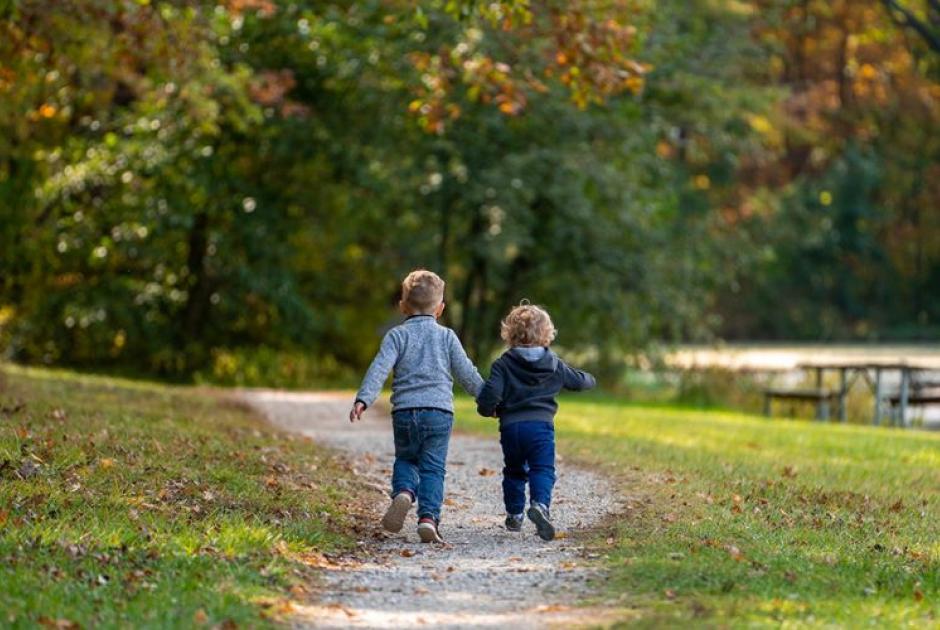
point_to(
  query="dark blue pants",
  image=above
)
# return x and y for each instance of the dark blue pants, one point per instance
(529, 456)
(421, 439)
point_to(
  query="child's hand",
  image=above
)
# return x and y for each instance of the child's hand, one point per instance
(356, 412)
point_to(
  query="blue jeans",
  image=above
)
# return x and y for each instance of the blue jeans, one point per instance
(421, 439)
(529, 456)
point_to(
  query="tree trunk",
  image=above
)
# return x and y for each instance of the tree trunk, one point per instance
(197, 302)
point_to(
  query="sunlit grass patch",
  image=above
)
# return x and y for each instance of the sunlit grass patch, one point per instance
(133, 504)
(732, 519)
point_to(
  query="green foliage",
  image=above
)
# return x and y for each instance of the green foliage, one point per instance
(179, 180)
(120, 501)
(261, 366)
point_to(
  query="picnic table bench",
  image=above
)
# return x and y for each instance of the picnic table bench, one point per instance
(911, 391)
(822, 398)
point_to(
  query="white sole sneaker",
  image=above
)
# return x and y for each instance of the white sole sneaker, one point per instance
(428, 533)
(396, 513)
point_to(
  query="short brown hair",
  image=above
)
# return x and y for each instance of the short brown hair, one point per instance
(528, 325)
(422, 291)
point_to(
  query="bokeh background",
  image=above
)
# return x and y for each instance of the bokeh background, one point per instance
(231, 191)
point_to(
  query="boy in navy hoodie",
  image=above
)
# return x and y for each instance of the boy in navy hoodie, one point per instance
(521, 392)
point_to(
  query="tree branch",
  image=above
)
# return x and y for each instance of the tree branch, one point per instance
(905, 17)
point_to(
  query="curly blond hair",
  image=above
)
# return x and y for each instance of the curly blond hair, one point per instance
(422, 291)
(527, 325)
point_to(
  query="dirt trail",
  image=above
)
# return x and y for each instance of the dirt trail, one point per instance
(484, 576)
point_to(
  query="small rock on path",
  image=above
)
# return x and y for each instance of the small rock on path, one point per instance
(484, 576)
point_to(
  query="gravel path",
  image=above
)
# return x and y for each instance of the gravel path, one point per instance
(483, 576)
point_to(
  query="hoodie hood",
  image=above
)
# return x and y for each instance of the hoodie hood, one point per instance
(532, 372)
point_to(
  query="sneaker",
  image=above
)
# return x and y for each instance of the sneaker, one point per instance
(539, 515)
(514, 522)
(427, 530)
(394, 518)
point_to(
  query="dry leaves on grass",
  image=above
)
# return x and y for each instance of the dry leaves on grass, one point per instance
(487, 472)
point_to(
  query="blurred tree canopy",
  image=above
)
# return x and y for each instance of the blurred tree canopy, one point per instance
(181, 181)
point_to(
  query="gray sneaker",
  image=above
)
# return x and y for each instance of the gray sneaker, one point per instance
(428, 531)
(514, 522)
(397, 511)
(539, 515)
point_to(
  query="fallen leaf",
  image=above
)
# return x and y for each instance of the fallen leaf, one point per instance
(408, 553)
(549, 608)
(28, 469)
(59, 624)
(487, 472)
(670, 594)
(898, 506)
(200, 617)
(106, 463)
(918, 595)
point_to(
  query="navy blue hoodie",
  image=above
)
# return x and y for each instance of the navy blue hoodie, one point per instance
(523, 389)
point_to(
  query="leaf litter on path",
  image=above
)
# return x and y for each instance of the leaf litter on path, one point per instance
(482, 575)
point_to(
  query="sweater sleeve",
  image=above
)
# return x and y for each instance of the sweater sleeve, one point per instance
(463, 368)
(491, 395)
(576, 380)
(379, 370)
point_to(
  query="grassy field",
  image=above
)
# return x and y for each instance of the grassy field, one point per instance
(133, 505)
(734, 520)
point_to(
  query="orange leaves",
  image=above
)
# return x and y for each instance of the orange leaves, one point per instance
(591, 53)
(264, 8)
(270, 88)
(588, 50)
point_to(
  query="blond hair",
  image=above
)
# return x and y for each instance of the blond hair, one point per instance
(422, 291)
(527, 325)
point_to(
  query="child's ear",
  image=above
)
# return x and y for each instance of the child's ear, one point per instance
(402, 307)
(440, 309)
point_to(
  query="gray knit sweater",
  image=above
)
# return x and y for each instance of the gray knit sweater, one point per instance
(423, 355)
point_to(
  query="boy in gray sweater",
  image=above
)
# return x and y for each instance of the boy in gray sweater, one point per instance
(423, 355)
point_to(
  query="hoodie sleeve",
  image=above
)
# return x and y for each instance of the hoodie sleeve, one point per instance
(575, 380)
(492, 393)
(463, 368)
(382, 364)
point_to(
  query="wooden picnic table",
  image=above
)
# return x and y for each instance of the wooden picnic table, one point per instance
(849, 372)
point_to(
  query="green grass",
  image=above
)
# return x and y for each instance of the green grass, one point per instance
(734, 520)
(127, 504)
